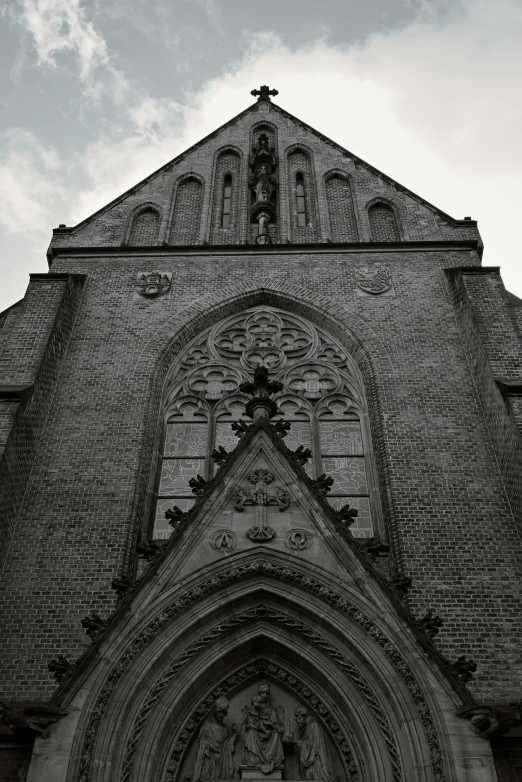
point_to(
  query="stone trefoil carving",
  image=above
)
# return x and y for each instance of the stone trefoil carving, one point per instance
(260, 497)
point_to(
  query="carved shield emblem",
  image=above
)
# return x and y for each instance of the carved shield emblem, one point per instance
(152, 284)
(374, 279)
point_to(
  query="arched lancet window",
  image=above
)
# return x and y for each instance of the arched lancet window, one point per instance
(187, 212)
(321, 397)
(300, 200)
(383, 224)
(145, 227)
(341, 213)
(302, 206)
(226, 199)
(227, 202)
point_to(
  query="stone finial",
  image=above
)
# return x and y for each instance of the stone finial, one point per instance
(261, 389)
(323, 484)
(175, 515)
(264, 93)
(198, 485)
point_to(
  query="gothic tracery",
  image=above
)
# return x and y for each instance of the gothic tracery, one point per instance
(321, 397)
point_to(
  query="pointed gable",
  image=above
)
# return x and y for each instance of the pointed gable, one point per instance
(345, 199)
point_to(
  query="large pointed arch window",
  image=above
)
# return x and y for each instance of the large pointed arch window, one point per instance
(321, 398)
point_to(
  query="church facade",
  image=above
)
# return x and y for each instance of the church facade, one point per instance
(260, 481)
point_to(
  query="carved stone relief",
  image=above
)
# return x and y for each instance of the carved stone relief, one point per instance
(260, 497)
(269, 733)
(298, 539)
(182, 601)
(224, 540)
(153, 284)
(373, 280)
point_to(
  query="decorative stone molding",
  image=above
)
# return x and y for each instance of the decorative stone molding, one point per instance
(297, 578)
(491, 721)
(262, 611)
(29, 719)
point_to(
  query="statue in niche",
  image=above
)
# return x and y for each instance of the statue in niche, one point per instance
(215, 746)
(264, 183)
(262, 732)
(314, 760)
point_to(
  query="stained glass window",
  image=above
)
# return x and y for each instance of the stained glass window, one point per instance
(321, 399)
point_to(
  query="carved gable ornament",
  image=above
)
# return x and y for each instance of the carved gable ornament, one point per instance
(374, 279)
(260, 497)
(153, 284)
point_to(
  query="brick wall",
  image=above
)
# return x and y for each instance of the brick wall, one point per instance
(32, 358)
(508, 760)
(417, 219)
(14, 763)
(339, 201)
(442, 485)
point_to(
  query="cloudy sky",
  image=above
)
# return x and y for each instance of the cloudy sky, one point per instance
(96, 94)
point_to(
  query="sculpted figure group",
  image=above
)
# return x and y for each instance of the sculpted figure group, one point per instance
(263, 737)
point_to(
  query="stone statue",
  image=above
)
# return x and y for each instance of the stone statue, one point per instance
(264, 183)
(313, 754)
(262, 731)
(215, 747)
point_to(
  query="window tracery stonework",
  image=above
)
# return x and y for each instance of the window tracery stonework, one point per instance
(321, 398)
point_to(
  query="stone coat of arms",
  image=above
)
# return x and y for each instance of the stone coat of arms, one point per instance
(152, 284)
(374, 279)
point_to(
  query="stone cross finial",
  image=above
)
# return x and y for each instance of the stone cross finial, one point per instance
(261, 389)
(264, 93)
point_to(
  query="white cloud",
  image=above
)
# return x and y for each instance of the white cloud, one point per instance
(30, 185)
(434, 105)
(60, 25)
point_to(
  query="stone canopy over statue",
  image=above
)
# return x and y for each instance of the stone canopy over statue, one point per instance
(268, 749)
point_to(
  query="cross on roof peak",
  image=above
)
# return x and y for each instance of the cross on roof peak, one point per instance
(264, 93)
